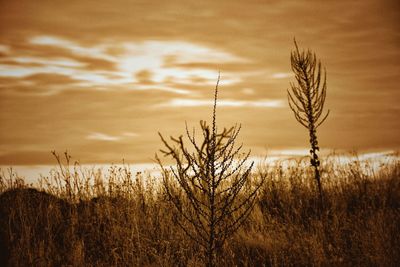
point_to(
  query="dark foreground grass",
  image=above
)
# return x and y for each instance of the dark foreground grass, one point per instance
(87, 218)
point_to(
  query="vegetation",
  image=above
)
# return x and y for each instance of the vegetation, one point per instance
(125, 219)
(212, 193)
(307, 99)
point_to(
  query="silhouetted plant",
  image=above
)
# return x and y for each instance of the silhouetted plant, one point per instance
(210, 186)
(307, 99)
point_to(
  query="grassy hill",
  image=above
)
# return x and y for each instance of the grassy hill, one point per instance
(89, 218)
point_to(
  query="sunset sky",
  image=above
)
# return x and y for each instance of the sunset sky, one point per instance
(101, 78)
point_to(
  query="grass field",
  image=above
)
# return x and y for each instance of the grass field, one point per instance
(85, 217)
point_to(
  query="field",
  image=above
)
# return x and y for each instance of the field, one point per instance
(84, 217)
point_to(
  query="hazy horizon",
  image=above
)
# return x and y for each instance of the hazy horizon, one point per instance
(369, 161)
(101, 79)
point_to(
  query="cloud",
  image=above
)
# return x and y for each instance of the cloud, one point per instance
(162, 59)
(248, 91)
(281, 75)
(75, 48)
(62, 67)
(4, 49)
(180, 102)
(110, 138)
(43, 61)
(156, 87)
(130, 134)
(102, 137)
(143, 65)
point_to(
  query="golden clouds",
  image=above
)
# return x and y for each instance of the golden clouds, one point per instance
(79, 75)
(149, 65)
(186, 102)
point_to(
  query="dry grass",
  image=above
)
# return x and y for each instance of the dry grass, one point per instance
(90, 218)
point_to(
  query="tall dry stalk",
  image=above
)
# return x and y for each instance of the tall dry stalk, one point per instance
(210, 186)
(307, 99)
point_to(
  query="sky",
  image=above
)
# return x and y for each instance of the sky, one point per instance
(100, 79)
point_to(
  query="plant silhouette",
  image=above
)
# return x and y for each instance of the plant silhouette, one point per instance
(306, 100)
(210, 186)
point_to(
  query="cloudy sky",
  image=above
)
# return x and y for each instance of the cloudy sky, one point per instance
(101, 78)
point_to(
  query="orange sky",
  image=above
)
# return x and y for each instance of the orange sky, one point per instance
(101, 78)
